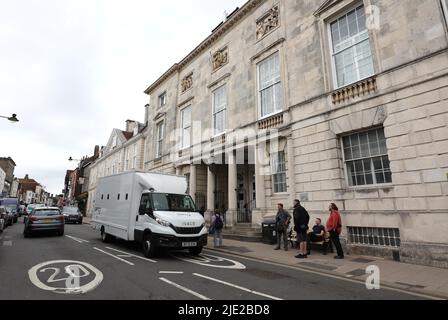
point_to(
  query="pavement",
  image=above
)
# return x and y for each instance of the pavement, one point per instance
(79, 266)
(409, 277)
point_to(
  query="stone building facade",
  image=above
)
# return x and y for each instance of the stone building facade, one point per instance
(341, 101)
(123, 152)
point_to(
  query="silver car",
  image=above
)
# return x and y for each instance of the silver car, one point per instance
(44, 219)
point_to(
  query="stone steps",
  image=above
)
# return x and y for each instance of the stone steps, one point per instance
(243, 232)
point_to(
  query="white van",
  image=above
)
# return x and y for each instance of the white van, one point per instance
(149, 208)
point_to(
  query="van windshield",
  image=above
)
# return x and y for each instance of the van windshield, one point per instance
(172, 202)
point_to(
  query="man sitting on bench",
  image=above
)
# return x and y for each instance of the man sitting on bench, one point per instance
(317, 235)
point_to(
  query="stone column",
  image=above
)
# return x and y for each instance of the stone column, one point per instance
(210, 194)
(231, 215)
(193, 181)
(260, 192)
(291, 172)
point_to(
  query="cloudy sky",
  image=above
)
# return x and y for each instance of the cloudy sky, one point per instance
(73, 70)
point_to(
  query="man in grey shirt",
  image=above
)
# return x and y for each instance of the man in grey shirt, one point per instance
(282, 222)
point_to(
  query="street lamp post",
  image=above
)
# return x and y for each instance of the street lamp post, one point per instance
(12, 118)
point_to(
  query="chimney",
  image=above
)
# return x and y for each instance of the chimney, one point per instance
(130, 125)
(96, 152)
(27, 177)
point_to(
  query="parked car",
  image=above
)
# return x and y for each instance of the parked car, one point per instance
(13, 205)
(2, 218)
(9, 221)
(44, 219)
(72, 214)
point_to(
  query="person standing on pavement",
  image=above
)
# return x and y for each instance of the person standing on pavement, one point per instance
(334, 227)
(301, 220)
(217, 226)
(282, 221)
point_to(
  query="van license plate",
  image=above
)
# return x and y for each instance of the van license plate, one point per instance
(189, 244)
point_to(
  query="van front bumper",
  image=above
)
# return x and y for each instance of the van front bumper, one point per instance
(173, 242)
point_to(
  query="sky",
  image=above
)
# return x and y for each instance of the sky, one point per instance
(73, 70)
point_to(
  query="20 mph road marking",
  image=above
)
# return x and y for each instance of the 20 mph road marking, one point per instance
(237, 287)
(118, 258)
(198, 295)
(76, 280)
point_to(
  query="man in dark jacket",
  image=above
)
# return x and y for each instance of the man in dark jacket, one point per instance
(281, 222)
(301, 221)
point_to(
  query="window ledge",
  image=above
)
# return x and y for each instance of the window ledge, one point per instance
(375, 187)
(354, 90)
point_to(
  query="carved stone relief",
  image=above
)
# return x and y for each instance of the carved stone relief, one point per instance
(220, 58)
(186, 83)
(268, 22)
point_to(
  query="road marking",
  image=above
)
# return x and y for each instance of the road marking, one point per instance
(237, 287)
(118, 258)
(132, 255)
(79, 240)
(211, 261)
(7, 243)
(171, 272)
(308, 270)
(72, 282)
(198, 295)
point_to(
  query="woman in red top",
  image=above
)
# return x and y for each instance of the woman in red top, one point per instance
(334, 227)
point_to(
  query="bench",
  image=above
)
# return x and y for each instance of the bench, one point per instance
(292, 239)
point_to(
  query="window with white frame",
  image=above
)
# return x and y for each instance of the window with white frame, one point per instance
(134, 159)
(219, 110)
(269, 86)
(366, 158)
(127, 159)
(185, 116)
(278, 168)
(350, 45)
(162, 99)
(160, 128)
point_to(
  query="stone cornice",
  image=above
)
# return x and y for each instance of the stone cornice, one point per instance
(216, 35)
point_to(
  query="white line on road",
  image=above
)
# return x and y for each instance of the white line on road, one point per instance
(79, 240)
(237, 287)
(198, 295)
(131, 255)
(7, 243)
(171, 272)
(118, 258)
(333, 276)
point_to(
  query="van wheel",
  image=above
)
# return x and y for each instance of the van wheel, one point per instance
(195, 251)
(148, 249)
(106, 238)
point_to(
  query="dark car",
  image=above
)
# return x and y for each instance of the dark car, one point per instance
(72, 214)
(9, 216)
(44, 219)
(13, 205)
(3, 217)
(15, 213)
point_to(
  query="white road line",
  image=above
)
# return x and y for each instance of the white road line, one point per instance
(333, 276)
(132, 255)
(171, 272)
(118, 258)
(79, 240)
(7, 243)
(198, 295)
(237, 287)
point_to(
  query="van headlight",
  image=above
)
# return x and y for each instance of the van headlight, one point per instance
(163, 222)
